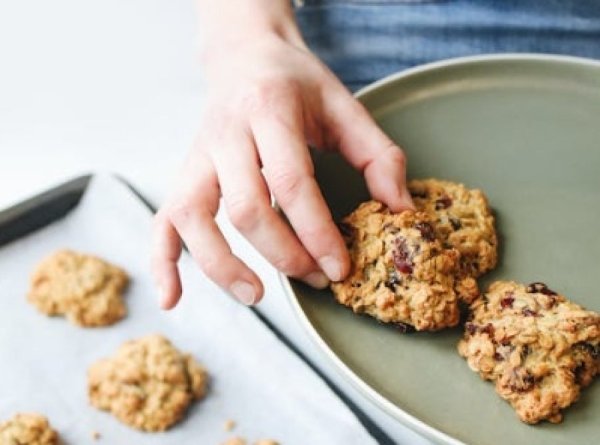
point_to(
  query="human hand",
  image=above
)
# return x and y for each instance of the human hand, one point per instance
(268, 98)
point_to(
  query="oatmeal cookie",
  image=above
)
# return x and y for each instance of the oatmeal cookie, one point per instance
(235, 441)
(400, 271)
(147, 384)
(28, 429)
(539, 348)
(242, 441)
(463, 220)
(85, 288)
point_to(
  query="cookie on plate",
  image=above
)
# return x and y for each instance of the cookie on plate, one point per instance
(29, 429)
(86, 289)
(400, 271)
(148, 384)
(539, 348)
(463, 220)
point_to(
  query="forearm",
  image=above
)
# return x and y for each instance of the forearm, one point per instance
(228, 24)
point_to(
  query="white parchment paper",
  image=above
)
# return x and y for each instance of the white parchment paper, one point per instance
(256, 380)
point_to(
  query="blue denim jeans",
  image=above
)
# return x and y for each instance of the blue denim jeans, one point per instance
(364, 40)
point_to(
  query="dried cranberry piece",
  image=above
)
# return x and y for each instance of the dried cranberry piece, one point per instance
(488, 329)
(521, 380)
(502, 352)
(526, 382)
(443, 203)
(426, 230)
(507, 301)
(471, 328)
(529, 313)
(403, 266)
(540, 288)
(455, 222)
(401, 256)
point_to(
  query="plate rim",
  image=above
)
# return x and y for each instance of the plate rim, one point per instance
(342, 368)
(464, 60)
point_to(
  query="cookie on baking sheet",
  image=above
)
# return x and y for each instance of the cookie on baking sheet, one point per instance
(242, 441)
(400, 271)
(86, 289)
(463, 220)
(539, 348)
(148, 384)
(28, 429)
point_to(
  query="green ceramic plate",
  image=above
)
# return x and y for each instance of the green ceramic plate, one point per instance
(526, 130)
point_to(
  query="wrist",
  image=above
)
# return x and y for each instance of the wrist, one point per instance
(229, 27)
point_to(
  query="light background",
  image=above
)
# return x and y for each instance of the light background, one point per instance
(112, 86)
(95, 85)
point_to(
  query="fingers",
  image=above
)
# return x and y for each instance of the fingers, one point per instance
(166, 250)
(192, 216)
(248, 204)
(278, 133)
(368, 149)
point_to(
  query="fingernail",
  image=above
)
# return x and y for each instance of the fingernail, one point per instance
(318, 280)
(331, 267)
(244, 292)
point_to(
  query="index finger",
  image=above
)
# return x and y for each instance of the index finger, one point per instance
(288, 171)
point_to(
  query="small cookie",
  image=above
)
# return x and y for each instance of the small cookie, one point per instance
(463, 220)
(242, 441)
(85, 288)
(147, 384)
(539, 348)
(400, 272)
(235, 441)
(28, 429)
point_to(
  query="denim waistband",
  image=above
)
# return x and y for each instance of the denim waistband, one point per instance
(363, 40)
(301, 3)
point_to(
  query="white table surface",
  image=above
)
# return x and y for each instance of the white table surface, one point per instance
(113, 85)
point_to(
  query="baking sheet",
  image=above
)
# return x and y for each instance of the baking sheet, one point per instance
(256, 380)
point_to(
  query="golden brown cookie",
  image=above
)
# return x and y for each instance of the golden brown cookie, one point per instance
(400, 271)
(539, 348)
(148, 384)
(28, 429)
(85, 288)
(242, 441)
(235, 441)
(463, 220)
